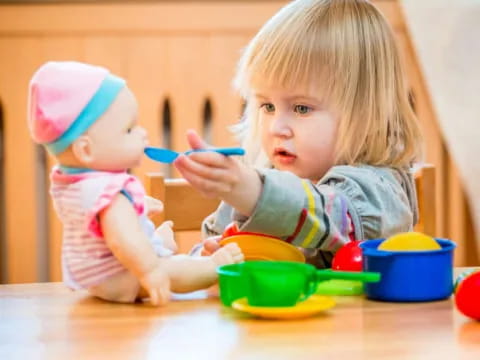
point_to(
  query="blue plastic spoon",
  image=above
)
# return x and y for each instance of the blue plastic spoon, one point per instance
(168, 156)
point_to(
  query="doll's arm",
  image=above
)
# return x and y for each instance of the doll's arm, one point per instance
(133, 249)
(153, 206)
(165, 232)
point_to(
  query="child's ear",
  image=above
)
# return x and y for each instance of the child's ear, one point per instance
(82, 148)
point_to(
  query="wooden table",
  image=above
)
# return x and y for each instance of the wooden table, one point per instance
(49, 321)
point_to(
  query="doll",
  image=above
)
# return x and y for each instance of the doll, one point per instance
(87, 119)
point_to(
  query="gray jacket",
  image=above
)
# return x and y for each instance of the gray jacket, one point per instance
(376, 201)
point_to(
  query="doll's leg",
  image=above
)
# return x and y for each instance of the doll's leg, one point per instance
(122, 287)
(188, 273)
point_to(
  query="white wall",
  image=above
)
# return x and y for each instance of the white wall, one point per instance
(446, 34)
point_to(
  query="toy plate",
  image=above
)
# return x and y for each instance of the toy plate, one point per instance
(260, 247)
(313, 305)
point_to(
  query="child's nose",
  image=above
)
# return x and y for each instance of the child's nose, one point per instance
(280, 126)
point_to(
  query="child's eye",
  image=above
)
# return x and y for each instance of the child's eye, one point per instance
(268, 107)
(302, 109)
(129, 130)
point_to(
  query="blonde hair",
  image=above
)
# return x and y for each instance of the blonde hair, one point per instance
(348, 48)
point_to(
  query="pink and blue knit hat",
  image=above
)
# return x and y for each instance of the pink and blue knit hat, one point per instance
(65, 99)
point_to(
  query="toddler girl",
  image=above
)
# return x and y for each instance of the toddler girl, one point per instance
(329, 132)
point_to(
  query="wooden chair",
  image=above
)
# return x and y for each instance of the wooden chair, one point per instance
(183, 205)
(187, 208)
(425, 185)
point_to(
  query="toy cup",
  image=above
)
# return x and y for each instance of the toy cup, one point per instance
(279, 283)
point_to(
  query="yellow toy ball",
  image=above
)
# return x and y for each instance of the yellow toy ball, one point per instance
(409, 241)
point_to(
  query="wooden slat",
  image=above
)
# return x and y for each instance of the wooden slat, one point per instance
(456, 210)
(147, 77)
(224, 54)
(425, 182)
(141, 18)
(3, 239)
(187, 82)
(392, 12)
(186, 206)
(20, 194)
(434, 147)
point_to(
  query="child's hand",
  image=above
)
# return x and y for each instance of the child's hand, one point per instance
(210, 245)
(211, 173)
(228, 254)
(152, 206)
(157, 284)
(165, 232)
(219, 176)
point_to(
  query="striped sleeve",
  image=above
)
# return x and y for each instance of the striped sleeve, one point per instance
(307, 215)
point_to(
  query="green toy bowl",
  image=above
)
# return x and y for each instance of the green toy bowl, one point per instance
(231, 283)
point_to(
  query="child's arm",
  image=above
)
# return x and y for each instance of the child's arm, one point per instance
(318, 216)
(130, 245)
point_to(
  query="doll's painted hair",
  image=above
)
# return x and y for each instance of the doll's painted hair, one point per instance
(346, 48)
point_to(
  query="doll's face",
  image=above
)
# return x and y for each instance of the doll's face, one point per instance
(115, 141)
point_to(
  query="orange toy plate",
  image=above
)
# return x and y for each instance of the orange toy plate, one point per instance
(259, 247)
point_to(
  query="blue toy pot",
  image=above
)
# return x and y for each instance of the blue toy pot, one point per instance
(409, 275)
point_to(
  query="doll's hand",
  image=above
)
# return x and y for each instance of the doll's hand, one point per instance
(165, 232)
(228, 254)
(152, 206)
(157, 284)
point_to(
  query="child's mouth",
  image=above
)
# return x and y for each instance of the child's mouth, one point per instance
(284, 157)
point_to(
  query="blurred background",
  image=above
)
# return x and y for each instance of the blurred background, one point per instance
(179, 58)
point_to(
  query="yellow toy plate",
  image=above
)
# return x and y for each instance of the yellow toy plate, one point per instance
(259, 247)
(313, 305)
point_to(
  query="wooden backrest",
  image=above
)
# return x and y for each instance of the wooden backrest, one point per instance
(425, 184)
(187, 208)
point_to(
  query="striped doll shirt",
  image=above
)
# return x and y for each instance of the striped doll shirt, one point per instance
(78, 199)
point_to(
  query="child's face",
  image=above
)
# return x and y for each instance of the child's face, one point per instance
(117, 141)
(298, 131)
